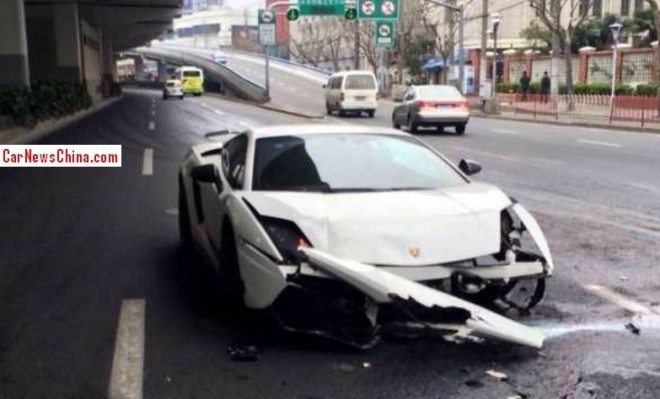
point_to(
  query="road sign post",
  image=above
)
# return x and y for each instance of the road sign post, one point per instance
(266, 39)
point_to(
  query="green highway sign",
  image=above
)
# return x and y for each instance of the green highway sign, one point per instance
(321, 7)
(378, 9)
(350, 14)
(384, 33)
(292, 14)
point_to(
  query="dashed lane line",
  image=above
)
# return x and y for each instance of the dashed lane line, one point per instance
(127, 376)
(619, 299)
(504, 131)
(152, 125)
(600, 143)
(148, 162)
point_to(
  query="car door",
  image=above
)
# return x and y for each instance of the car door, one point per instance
(214, 197)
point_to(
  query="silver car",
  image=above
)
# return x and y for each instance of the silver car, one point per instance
(432, 105)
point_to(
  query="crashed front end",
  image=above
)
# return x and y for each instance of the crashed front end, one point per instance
(313, 291)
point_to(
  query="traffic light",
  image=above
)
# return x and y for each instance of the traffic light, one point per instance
(292, 14)
(350, 13)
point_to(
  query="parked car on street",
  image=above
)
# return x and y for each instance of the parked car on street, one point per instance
(408, 244)
(434, 106)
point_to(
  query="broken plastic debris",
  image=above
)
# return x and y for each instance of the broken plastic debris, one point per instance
(243, 352)
(366, 365)
(633, 328)
(497, 375)
(514, 397)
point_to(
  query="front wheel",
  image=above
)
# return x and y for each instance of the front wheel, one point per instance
(231, 284)
(460, 129)
(164, 97)
(185, 231)
(181, 97)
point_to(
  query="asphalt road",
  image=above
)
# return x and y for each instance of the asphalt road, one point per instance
(78, 242)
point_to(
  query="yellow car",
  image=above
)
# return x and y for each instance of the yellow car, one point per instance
(192, 80)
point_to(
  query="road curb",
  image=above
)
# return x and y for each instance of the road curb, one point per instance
(21, 135)
(627, 129)
(299, 113)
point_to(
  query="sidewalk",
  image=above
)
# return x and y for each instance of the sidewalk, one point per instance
(23, 135)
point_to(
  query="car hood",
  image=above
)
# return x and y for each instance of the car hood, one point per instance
(405, 228)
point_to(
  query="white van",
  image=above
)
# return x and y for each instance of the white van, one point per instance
(352, 91)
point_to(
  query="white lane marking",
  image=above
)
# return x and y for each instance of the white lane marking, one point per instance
(218, 112)
(503, 131)
(644, 187)
(126, 379)
(601, 143)
(153, 112)
(203, 104)
(242, 123)
(618, 299)
(148, 162)
(292, 89)
(152, 125)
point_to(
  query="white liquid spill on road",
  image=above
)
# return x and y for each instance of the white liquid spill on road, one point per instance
(644, 323)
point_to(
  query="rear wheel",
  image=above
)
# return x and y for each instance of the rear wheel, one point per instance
(181, 97)
(371, 113)
(342, 113)
(412, 126)
(460, 129)
(394, 124)
(164, 97)
(328, 110)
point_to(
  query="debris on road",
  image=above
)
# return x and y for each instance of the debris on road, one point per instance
(633, 328)
(623, 278)
(497, 375)
(366, 365)
(343, 367)
(243, 352)
(474, 383)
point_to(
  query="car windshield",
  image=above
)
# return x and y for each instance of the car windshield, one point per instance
(348, 163)
(439, 92)
(360, 82)
(172, 84)
(191, 74)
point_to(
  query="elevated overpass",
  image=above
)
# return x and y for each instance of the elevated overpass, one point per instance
(219, 76)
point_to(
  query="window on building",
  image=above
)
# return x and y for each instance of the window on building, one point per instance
(625, 8)
(597, 8)
(639, 5)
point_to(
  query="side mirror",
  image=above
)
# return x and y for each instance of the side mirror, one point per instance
(469, 167)
(205, 174)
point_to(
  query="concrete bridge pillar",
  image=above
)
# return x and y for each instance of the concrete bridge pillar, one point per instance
(14, 62)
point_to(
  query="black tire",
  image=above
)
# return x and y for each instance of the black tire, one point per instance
(371, 113)
(460, 129)
(185, 232)
(231, 284)
(181, 98)
(394, 124)
(328, 110)
(412, 126)
(164, 97)
(440, 128)
(342, 113)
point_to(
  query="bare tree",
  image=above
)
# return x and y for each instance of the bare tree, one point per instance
(655, 7)
(561, 17)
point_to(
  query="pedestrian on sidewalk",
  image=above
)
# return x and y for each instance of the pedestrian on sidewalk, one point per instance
(524, 85)
(545, 87)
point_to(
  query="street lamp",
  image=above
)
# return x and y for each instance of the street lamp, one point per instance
(616, 29)
(495, 20)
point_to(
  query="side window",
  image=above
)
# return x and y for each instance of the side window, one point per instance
(234, 156)
(336, 84)
(410, 95)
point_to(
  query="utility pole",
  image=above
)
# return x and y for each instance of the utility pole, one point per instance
(484, 46)
(357, 44)
(555, 11)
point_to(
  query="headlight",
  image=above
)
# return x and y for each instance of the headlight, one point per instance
(286, 236)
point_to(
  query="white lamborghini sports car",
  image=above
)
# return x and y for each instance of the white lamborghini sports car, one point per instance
(349, 231)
